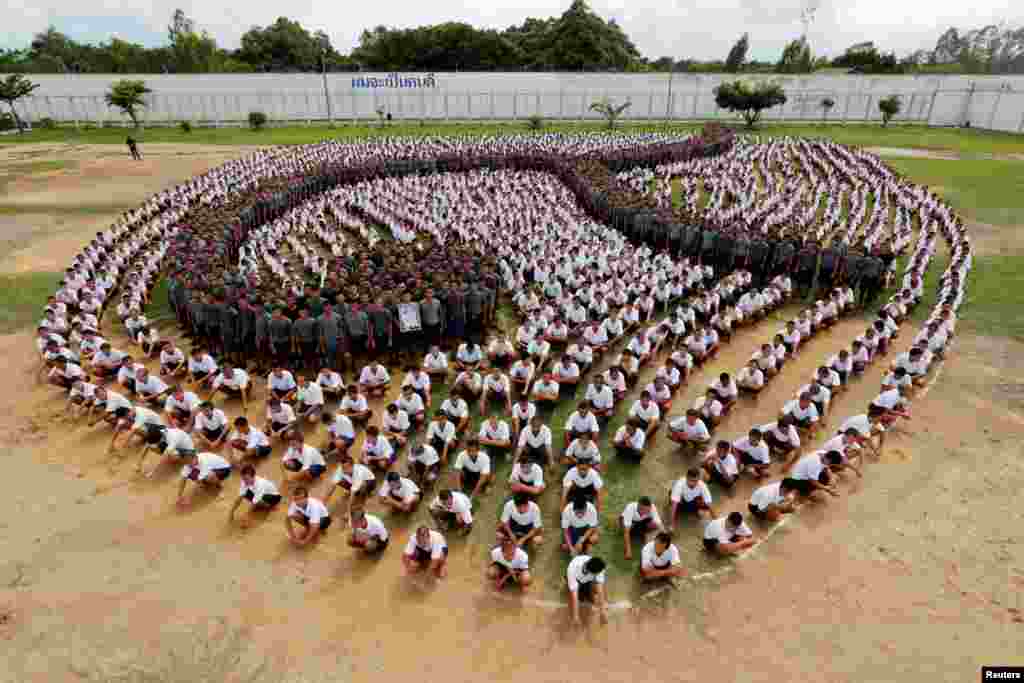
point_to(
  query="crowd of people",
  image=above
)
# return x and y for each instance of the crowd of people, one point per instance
(592, 310)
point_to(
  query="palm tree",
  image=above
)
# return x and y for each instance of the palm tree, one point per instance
(609, 110)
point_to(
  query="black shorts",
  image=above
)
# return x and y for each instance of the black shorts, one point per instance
(588, 494)
(268, 500)
(876, 411)
(519, 530)
(577, 532)
(585, 592)
(422, 556)
(537, 455)
(263, 451)
(692, 506)
(325, 522)
(711, 544)
(749, 461)
(213, 434)
(121, 412)
(469, 480)
(154, 434)
(720, 478)
(381, 545)
(803, 486)
(757, 512)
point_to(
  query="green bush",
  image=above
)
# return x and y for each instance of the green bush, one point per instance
(46, 123)
(535, 122)
(257, 120)
(7, 122)
(185, 126)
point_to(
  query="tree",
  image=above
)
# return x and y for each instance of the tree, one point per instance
(889, 106)
(796, 58)
(581, 40)
(12, 89)
(826, 105)
(128, 95)
(738, 54)
(749, 102)
(609, 110)
(283, 46)
(191, 51)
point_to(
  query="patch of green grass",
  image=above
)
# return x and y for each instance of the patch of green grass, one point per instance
(65, 209)
(959, 141)
(992, 305)
(991, 191)
(24, 298)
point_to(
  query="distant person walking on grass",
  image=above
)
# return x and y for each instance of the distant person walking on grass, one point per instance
(133, 147)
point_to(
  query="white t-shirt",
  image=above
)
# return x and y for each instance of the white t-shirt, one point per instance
(698, 430)
(341, 427)
(188, 403)
(115, 401)
(283, 382)
(650, 559)
(578, 422)
(636, 441)
(760, 452)
(283, 414)
(571, 519)
(538, 439)
(374, 529)
(767, 495)
(145, 416)
(361, 476)
(307, 455)
(862, 423)
(212, 422)
(153, 386)
(435, 545)
(532, 516)
(533, 477)
(495, 432)
(208, 462)
(374, 375)
(428, 457)
(178, 440)
(406, 490)
(809, 413)
(808, 468)
(481, 465)
(355, 404)
(260, 487)
(397, 422)
(716, 529)
(631, 514)
(314, 510)
(576, 574)
(889, 399)
(310, 394)
(520, 561)
(681, 491)
(574, 478)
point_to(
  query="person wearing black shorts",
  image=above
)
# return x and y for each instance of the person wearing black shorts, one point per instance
(307, 518)
(262, 494)
(206, 469)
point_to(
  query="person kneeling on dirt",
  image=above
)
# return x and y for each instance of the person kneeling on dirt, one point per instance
(585, 578)
(509, 565)
(261, 493)
(426, 551)
(307, 518)
(453, 510)
(728, 535)
(659, 559)
(521, 521)
(771, 501)
(368, 533)
(399, 494)
(207, 469)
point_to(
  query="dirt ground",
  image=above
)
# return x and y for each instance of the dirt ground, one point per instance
(915, 573)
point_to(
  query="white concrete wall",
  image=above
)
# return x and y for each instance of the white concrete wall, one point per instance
(987, 101)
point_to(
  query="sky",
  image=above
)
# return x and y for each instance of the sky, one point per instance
(678, 28)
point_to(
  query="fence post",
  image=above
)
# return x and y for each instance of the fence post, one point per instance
(536, 108)
(867, 109)
(446, 105)
(583, 106)
(931, 106)
(965, 117)
(492, 105)
(995, 107)
(846, 107)
(696, 97)
(515, 105)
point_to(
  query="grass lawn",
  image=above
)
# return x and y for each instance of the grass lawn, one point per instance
(990, 191)
(955, 140)
(24, 297)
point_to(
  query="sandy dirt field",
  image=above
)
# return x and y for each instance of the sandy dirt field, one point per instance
(915, 573)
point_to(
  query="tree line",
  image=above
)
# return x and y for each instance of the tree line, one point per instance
(578, 40)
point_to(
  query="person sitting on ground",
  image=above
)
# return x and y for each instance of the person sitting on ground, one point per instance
(582, 482)
(751, 378)
(356, 480)
(711, 411)
(545, 390)
(639, 518)
(659, 559)
(452, 510)
(281, 384)
(396, 425)
(304, 462)
(341, 434)
(660, 394)
(601, 398)
(377, 452)
(399, 494)
(521, 521)
(435, 363)
(424, 464)
(468, 356)
(374, 380)
(150, 388)
(332, 384)
(247, 442)
(173, 443)
(510, 564)
(690, 495)
(522, 374)
(753, 453)
(580, 530)
(140, 425)
(535, 442)
(172, 361)
(866, 428)
(803, 413)
(721, 466)
(457, 410)
(725, 390)
(495, 434)
(261, 493)
(646, 415)
(526, 477)
(231, 381)
(413, 405)
(368, 533)
(426, 551)
(501, 352)
(309, 400)
(354, 405)
(307, 518)
(889, 406)
(689, 431)
(474, 468)
(468, 384)
(181, 407)
(205, 469)
(281, 418)
(770, 502)
(811, 473)
(586, 580)
(629, 442)
(728, 535)
(441, 435)
(496, 387)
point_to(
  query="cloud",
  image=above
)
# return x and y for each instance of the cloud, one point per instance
(680, 28)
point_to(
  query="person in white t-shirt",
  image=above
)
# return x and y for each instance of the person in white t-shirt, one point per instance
(309, 400)
(332, 384)
(659, 559)
(341, 434)
(690, 432)
(414, 405)
(174, 444)
(396, 425)
(307, 518)
(374, 380)
(354, 405)
(424, 464)
(399, 494)
(495, 434)
(753, 453)
(811, 473)
(452, 510)
(205, 469)
(769, 502)
(721, 465)
(281, 418)
(585, 577)
(510, 564)
(867, 429)
(140, 425)
(368, 533)
(305, 462)
(629, 442)
(690, 495)
(889, 406)
(646, 414)
(526, 477)
(521, 521)
(281, 384)
(751, 378)
(247, 442)
(261, 493)
(580, 527)
(535, 442)
(436, 363)
(804, 414)
(639, 518)
(181, 407)
(728, 535)
(232, 381)
(496, 387)
(474, 468)
(426, 551)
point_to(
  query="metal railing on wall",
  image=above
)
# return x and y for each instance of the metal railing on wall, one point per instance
(995, 108)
